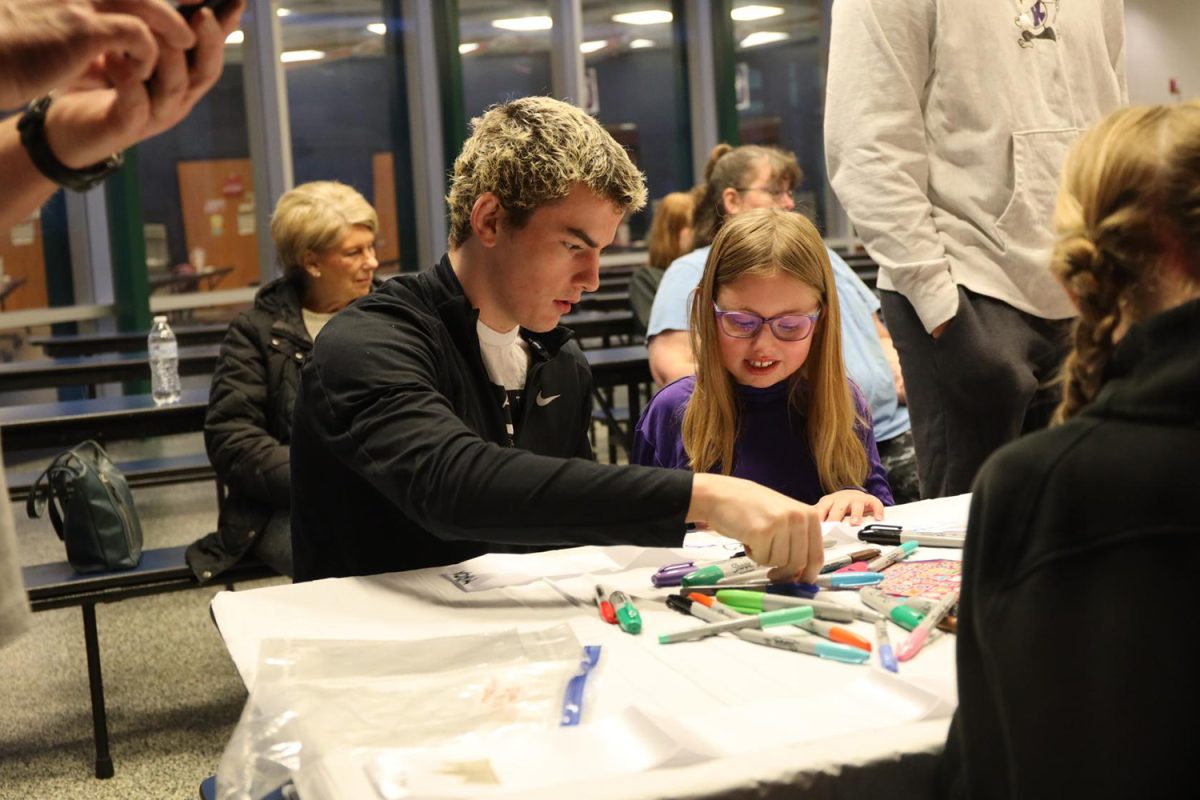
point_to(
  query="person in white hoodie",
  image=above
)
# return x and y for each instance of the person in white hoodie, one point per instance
(946, 126)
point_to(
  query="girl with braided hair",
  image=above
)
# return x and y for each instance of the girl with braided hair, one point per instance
(1063, 691)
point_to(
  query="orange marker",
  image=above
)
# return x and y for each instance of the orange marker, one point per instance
(834, 633)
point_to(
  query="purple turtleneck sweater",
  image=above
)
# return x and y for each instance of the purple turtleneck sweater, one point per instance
(772, 445)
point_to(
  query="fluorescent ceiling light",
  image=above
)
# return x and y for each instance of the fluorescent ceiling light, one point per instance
(763, 37)
(468, 47)
(236, 37)
(748, 13)
(638, 44)
(377, 27)
(291, 56)
(283, 12)
(524, 24)
(654, 16)
(591, 47)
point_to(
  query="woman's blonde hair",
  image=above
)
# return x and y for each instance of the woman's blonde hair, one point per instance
(673, 215)
(729, 168)
(1130, 195)
(531, 151)
(762, 243)
(314, 217)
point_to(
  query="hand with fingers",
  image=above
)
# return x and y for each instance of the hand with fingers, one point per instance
(776, 531)
(87, 124)
(59, 45)
(849, 503)
(104, 75)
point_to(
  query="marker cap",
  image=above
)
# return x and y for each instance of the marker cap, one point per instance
(842, 652)
(905, 617)
(705, 576)
(629, 618)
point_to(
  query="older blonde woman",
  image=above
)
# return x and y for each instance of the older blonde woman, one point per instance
(324, 235)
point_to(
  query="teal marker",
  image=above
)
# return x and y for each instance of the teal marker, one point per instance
(797, 644)
(892, 556)
(904, 616)
(710, 574)
(784, 616)
(627, 614)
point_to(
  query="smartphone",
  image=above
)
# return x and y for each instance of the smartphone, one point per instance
(217, 7)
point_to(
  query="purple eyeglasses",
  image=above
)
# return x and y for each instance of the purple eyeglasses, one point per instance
(746, 325)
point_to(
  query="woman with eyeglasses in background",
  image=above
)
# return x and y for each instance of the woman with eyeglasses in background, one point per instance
(770, 400)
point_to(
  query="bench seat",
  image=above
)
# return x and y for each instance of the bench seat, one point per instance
(142, 472)
(160, 570)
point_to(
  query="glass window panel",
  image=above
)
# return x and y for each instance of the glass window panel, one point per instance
(198, 193)
(24, 258)
(780, 82)
(505, 49)
(339, 73)
(631, 75)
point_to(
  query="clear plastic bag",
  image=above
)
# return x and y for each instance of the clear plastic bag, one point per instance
(315, 698)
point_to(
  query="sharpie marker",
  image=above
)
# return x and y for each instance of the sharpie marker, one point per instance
(834, 633)
(753, 602)
(768, 619)
(627, 614)
(606, 610)
(796, 644)
(847, 580)
(916, 640)
(672, 574)
(953, 536)
(904, 616)
(887, 657)
(786, 588)
(892, 556)
(846, 560)
(712, 573)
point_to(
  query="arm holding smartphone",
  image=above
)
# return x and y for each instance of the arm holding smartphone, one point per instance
(119, 77)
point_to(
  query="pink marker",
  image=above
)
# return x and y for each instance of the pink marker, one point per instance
(916, 640)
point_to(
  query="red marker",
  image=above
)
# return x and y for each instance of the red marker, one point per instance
(606, 610)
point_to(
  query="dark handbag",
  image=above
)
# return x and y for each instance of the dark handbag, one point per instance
(91, 509)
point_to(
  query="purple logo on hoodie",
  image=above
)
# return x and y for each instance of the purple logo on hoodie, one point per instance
(1036, 21)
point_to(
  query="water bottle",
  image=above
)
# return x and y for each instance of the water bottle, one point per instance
(164, 362)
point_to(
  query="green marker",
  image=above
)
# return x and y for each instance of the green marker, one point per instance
(753, 602)
(784, 616)
(904, 616)
(627, 615)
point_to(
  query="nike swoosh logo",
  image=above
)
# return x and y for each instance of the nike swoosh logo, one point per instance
(545, 401)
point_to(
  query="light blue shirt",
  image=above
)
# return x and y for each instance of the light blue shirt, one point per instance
(860, 341)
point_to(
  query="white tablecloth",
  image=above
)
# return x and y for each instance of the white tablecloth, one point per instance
(730, 716)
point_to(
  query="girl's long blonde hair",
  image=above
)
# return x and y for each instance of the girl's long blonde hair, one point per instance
(762, 243)
(1130, 195)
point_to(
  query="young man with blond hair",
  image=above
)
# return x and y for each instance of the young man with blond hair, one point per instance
(446, 415)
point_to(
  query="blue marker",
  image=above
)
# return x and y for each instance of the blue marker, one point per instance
(840, 580)
(887, 656)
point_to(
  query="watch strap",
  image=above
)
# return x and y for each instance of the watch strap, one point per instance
(32, 126)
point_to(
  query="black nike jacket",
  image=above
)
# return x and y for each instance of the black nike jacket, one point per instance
(399, 451)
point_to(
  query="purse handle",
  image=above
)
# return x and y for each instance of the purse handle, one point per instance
(42, 494)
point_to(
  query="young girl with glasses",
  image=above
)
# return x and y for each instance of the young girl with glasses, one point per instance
(770, 400)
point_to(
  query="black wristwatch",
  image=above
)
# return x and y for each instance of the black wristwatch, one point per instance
(33, 137)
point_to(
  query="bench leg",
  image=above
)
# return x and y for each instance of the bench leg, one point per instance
(104, 765)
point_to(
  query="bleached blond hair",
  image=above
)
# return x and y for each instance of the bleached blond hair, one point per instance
(532, 151)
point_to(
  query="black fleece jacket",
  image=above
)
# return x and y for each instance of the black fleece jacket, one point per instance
(1077, 598)
(399, 455)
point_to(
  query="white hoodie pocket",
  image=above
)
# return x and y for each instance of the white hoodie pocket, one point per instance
(1037, 160)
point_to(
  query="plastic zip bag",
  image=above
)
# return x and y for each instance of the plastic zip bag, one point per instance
(313, 699)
